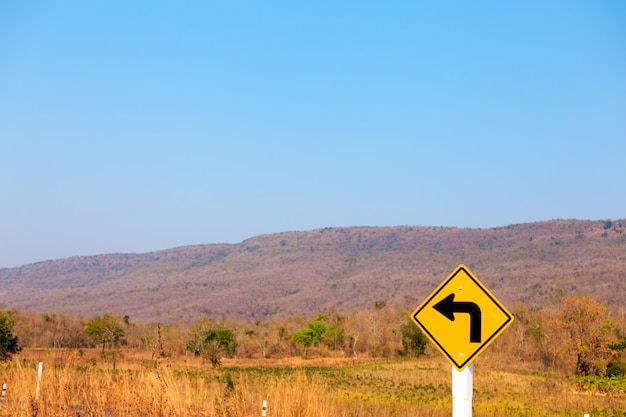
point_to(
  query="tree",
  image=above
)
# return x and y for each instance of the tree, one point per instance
(65, 331)
(106, 331)
(260, 334)
(219, 342)
(9, 343)
(196, 335)
(583, 332)
(210, 340)
(413, 340)
(334, 336)
(312, 334)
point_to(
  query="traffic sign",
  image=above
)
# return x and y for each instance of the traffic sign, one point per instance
(462, 317)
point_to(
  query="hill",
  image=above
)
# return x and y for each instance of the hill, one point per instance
(333, 268)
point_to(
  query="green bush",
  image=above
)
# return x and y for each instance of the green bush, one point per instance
(614, 385)
(615, 369)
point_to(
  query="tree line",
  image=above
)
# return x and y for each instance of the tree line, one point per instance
(575, 333)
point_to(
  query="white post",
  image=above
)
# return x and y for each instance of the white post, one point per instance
(462, 387)
(264, 408)
(4, 391)
(39, 374)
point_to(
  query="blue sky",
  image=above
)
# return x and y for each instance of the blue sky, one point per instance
(134, 126)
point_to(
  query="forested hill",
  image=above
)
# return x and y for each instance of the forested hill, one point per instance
(344, 269)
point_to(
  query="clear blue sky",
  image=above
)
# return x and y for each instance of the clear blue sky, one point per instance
(134, 126)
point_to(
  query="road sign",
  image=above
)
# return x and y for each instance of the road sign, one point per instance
(461, 317)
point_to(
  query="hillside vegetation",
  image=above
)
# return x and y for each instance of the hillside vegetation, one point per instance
(338, 269)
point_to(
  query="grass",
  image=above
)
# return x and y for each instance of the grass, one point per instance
(76, 382)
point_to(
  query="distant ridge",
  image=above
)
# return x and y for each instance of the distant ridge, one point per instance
(333, 268)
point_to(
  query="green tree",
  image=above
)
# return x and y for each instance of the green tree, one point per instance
(106, 331)
(334, 336)
(9, 343)
(413, 340)
(219, 342)
(210, 340)
(312, 334)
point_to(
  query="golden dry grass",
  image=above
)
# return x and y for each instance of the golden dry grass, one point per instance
(81, 383)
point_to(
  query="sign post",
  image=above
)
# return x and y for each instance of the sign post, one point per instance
(461, 317)
(462, 389)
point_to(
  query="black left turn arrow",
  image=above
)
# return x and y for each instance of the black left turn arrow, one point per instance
(448, 307)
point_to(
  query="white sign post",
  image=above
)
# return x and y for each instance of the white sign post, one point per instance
(39, 375)
(462, 387)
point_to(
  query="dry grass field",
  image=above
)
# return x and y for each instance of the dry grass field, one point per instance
(81, 383)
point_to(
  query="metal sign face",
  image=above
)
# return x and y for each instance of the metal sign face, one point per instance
(461, 317)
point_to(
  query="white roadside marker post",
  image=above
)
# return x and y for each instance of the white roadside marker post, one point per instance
(39, 375)
(462, 387)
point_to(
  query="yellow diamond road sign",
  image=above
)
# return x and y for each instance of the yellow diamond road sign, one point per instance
(461, 317)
